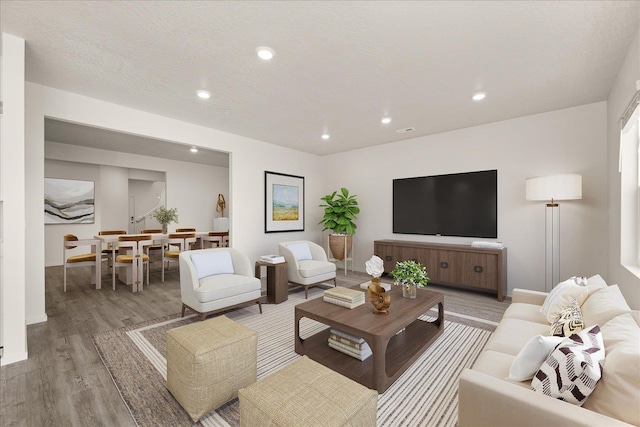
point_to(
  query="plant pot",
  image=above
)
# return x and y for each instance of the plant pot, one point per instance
(337, 244)
(409, 290)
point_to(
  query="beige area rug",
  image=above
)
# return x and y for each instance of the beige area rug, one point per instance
(426, 394)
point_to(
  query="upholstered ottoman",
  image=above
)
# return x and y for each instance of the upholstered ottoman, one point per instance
(306, 393)
(208, 362)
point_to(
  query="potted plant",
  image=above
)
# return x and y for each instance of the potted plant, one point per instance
(165, 216)
(411, 275)
(340, 212)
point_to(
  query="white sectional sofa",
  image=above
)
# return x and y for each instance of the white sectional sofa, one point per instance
(487, 397)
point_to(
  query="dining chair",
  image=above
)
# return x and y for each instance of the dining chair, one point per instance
(219, 238)
(131, 253)
(187, 230)
(180, 240)
(91, 259)
(155, 247)
(107, 252)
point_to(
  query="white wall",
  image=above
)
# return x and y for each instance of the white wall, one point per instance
(623, 90)
(566, 141)
(248, 160)
(12, 191)
(192, 188)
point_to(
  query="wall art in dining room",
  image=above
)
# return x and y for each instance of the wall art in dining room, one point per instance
(69, 201)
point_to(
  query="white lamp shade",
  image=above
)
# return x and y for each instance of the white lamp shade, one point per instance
(554, 187)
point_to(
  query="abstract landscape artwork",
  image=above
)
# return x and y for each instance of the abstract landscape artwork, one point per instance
(69, 201)
(284, 202)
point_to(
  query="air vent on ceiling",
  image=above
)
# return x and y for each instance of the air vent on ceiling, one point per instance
(405, 130)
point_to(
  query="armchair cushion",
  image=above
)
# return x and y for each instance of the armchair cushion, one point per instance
(211, 263)
(222, 286)
(313, 268)
(300, 251)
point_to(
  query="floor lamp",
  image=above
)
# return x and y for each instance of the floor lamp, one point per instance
(551, 189)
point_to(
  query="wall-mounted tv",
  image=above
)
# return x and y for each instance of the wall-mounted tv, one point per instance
(460, 204)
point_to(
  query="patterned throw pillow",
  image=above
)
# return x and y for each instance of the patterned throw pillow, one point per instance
(573, 369)
(569, 321)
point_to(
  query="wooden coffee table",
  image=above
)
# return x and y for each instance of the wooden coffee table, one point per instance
(393, 352)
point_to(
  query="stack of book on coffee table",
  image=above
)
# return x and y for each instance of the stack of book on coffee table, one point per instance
(349, 344)
(344, 297)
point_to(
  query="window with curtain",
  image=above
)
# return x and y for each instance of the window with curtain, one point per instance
(630, 188)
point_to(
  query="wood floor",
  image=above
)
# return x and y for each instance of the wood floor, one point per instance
(64, 383)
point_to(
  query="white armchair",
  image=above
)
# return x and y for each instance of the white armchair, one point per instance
(307, 264)
(212, 280)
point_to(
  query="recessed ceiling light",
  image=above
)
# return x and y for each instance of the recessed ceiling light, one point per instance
(479, 96)
(194, 150)
(203, 94)
(326, 136)
(386, 120)
(265, 53)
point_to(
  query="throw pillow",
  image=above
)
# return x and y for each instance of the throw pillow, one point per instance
(301, 251)
(572, 370)
(529, 359)
(561, 296)
(595, 283)
(604, 305)
(569, 321)
(212, 262)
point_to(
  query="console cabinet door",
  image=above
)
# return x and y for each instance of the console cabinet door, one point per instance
(443, 266)
(479, 270)
(390, 254)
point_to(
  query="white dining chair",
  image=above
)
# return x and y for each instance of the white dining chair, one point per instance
(131, 253)
(174, 244)
(92, 259)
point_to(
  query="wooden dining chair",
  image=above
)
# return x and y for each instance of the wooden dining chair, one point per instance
(108, 251)
(218, 238)
(90, 259)
(183, 241)
(187, 230)
(155, 247)
(131, 253)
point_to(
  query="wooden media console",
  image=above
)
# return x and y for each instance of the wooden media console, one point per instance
(483, 269)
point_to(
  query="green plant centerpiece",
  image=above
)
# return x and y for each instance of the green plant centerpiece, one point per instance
(340, 212)
(411, 275)
(165, 216)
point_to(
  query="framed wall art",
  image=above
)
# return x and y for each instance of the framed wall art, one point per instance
(69, 201)
(284, 202)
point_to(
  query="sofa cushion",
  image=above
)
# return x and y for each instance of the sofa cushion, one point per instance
(497, 365)
(209, 263)
(617, 392)
(512, 334)
(572, 370)
(603, 306)
(569, 321)
(313, 268)
(561, 296)
(224, 286)
(300, 251)
(531, 357)
(524, 311)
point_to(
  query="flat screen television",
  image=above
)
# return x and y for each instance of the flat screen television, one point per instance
(460, 204)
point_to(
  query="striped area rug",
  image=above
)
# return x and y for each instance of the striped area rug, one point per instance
(425, 395)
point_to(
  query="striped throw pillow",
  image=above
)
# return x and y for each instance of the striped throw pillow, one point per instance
(569, 321)
(573, 369)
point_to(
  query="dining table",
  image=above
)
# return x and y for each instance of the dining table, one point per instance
(125, 274)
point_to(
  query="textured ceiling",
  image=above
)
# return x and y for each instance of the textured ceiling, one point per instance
(339, 66)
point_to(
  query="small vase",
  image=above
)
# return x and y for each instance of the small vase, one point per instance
(164, 228)
(409, 290)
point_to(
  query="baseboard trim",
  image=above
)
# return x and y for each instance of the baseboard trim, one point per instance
(8, 359)
(38, 319)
